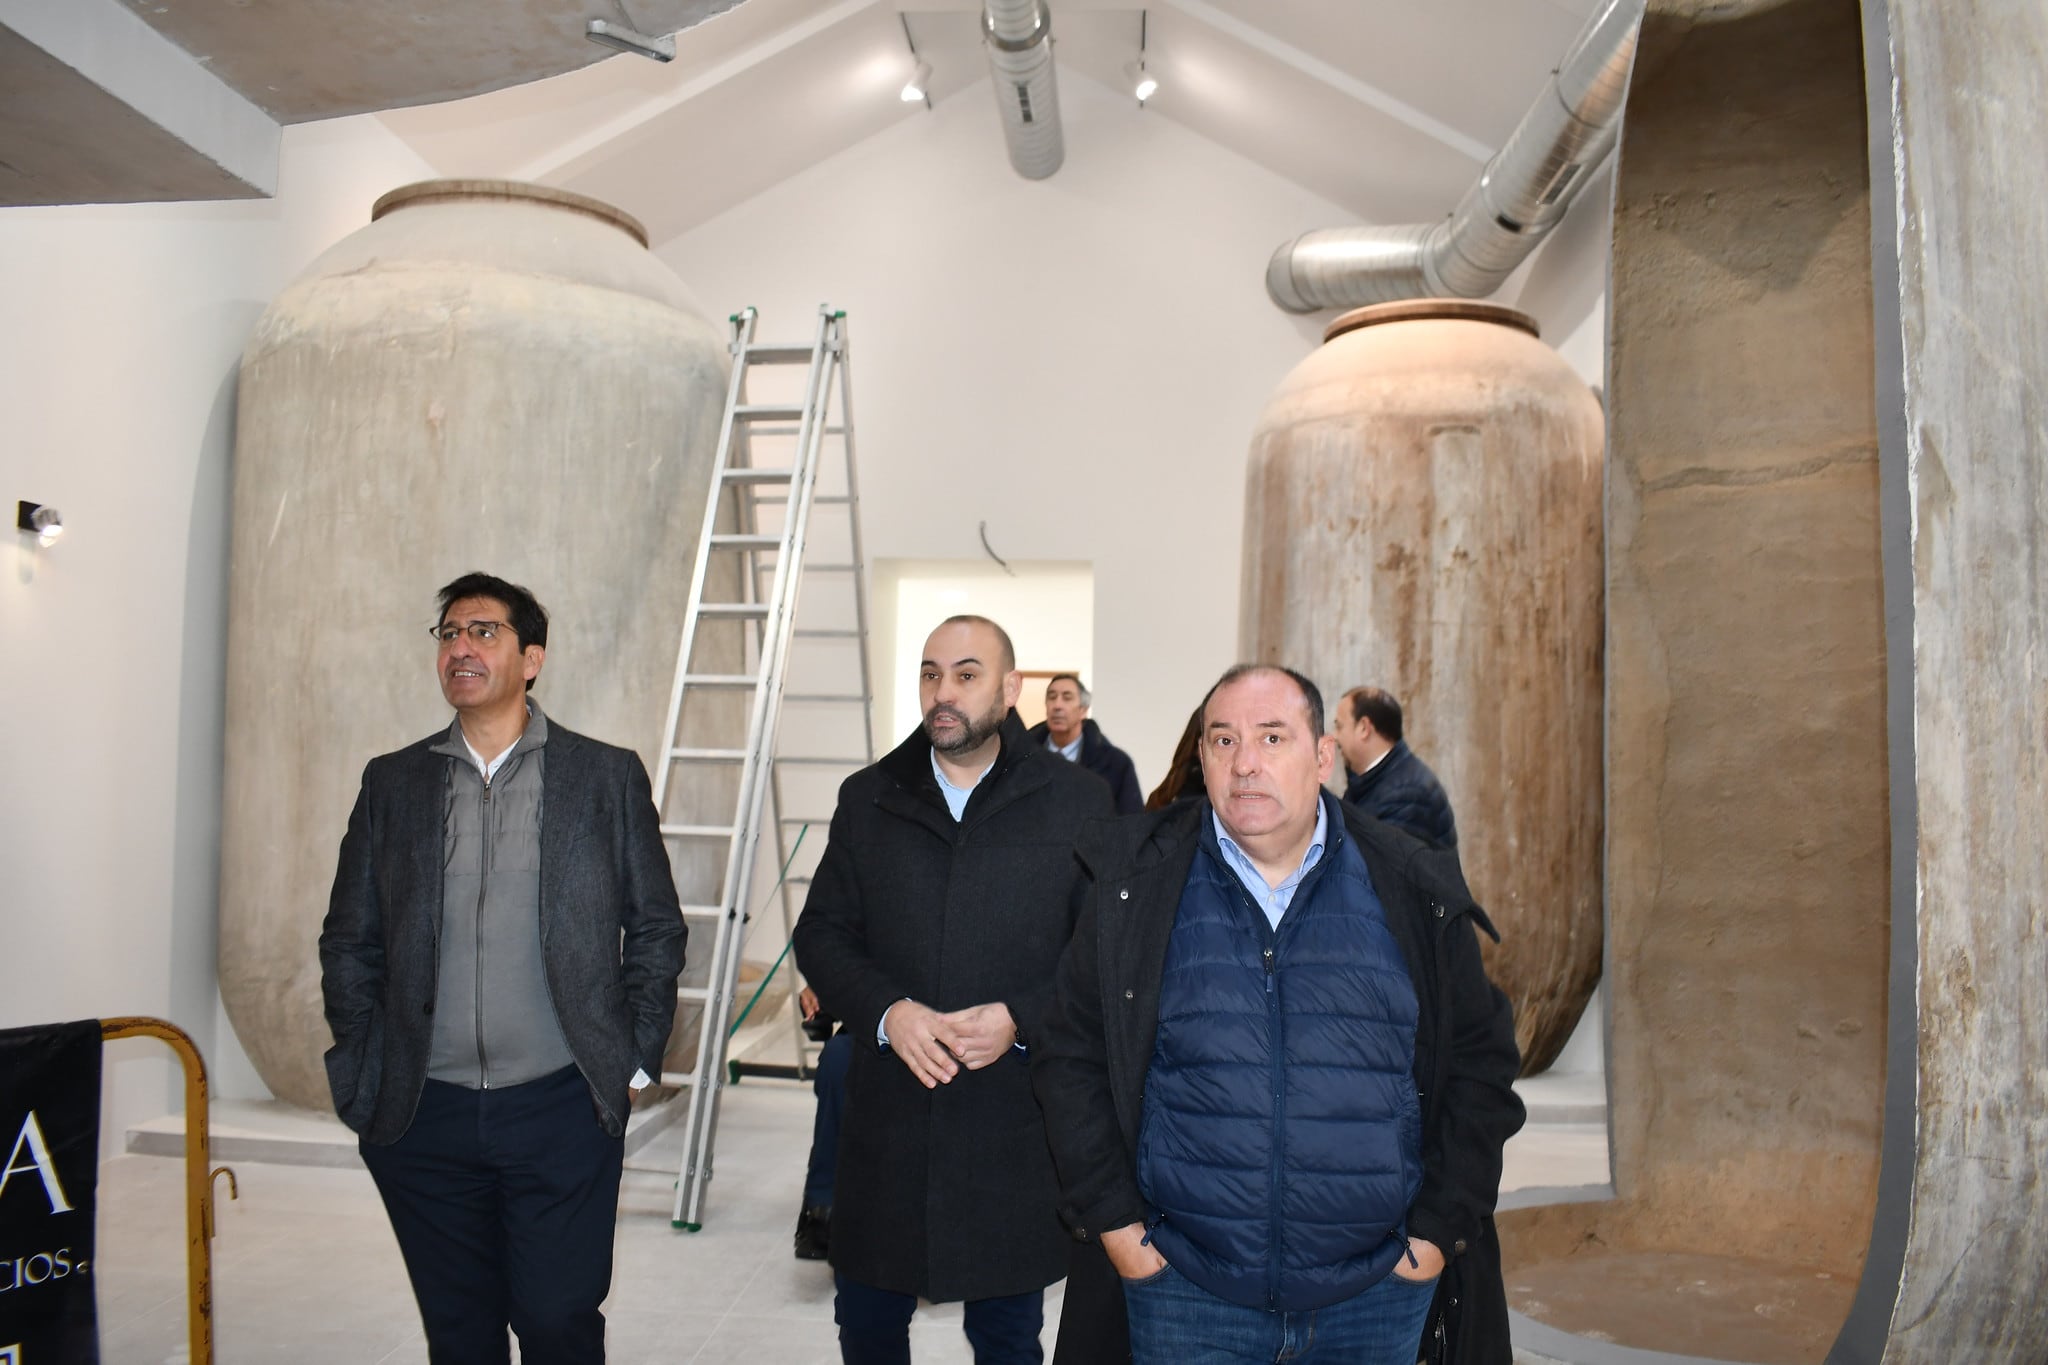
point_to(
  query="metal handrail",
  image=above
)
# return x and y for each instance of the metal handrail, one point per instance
(198, 1177)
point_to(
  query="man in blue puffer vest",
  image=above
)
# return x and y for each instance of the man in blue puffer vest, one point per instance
(1276, 1080)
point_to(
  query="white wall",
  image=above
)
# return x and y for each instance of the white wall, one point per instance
(1079, 362)
(120, 330)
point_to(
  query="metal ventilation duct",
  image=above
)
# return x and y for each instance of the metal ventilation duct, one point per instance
(1019, 34)
(1523, 192)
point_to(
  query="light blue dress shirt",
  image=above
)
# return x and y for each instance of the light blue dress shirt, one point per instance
(956, 797)
(1070, 752)
(1274, 900)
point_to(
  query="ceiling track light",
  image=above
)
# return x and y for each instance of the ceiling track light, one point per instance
(920, 79)
(631, 40)
(1143, 83)
(919, 87)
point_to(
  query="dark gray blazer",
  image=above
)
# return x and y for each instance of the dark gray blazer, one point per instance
(611, 929)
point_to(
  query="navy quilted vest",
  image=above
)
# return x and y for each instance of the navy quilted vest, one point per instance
(1281, 1141)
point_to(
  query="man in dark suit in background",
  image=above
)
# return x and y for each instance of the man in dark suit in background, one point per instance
(499, 973)
(1068, 732)
(1388, 782)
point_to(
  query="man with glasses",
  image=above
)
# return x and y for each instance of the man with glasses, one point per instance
(499, 967)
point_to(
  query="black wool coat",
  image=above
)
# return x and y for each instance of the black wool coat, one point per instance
(1095, 1046)
(948, 1193)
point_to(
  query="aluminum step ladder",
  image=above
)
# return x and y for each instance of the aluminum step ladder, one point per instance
(740, 633)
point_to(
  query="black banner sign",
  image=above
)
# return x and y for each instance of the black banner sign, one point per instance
(50, 1130)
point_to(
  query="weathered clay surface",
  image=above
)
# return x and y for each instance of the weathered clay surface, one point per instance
(506, 386)
(1423, 514)
(1973, 243)
(1747, 775)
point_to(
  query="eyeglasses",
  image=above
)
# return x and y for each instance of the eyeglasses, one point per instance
(483, 632)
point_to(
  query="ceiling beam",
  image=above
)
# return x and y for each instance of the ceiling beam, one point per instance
(1343, 82)
(141, 95)
(565, 160)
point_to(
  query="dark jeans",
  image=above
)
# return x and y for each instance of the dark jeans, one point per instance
(504, 1202)
(829, 1083)
(1176, 1322)
(874, 1326)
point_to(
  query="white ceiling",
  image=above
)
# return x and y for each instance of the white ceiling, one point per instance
(1386, 107)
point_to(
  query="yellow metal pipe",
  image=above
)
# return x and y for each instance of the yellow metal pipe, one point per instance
(198, 1178)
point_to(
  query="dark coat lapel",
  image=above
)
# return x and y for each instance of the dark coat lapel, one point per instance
(419, 813)
(564, 784)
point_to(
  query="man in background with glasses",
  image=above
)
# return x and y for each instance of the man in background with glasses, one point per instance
(499, 966)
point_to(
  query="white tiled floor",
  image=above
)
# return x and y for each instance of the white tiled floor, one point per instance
(306, 1271)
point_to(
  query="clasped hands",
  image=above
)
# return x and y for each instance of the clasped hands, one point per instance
(935, 1046)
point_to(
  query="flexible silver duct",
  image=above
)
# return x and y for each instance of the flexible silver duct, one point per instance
(1019, 36)
(1523, 192)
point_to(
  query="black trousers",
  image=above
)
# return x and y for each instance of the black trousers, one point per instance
(874, 1326)
(504, 1202)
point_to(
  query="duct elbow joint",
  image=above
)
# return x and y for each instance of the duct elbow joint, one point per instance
(1280, 282)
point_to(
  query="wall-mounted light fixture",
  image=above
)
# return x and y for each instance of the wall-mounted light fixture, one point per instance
(631, 40)
(44, 523)
(918, 88)
(1143, 83)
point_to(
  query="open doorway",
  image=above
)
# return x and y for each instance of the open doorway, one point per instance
(1047, 606)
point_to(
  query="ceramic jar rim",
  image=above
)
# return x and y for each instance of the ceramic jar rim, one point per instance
(445, 191)
(1419, 310)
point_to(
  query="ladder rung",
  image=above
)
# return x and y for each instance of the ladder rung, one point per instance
(768, 353)
(739, 542)
(756, 412)
(707, 755)
(758, 475)
(796, 881)
(693, 993)
(806, 819)
(682, 1078)
(819, 761)
(738, 611)
(827, 634)
(721, 680)
(696, 831)
(704, 911)
(821, 500)
(790, 431)
(830, 568)
(848, 698)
